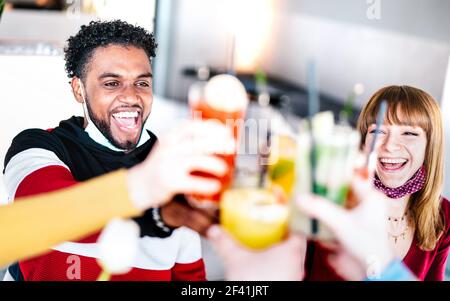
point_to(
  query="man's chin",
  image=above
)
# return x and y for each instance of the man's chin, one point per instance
(118, 134)
(126, 144)
(125, 140)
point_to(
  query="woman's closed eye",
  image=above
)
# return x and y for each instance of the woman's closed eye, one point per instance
(377, 131)
(411, 134)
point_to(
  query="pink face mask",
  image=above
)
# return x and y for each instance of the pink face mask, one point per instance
(416, 183)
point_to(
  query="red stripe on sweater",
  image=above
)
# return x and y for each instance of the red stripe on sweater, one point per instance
(59, 266)
(51, 178)
(189, 271)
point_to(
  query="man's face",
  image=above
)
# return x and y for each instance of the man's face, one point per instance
(119, 95)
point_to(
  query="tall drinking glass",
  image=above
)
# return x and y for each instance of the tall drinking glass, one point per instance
(334, 150)
(224, 99)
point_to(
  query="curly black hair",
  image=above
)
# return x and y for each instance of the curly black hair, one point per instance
(81, 47)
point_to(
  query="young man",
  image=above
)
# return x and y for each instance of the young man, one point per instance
(109, 64)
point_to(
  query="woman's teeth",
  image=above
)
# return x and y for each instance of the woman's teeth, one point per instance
(393, 161)
(393, 164)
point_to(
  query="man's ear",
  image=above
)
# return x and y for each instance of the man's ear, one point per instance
(77, 89)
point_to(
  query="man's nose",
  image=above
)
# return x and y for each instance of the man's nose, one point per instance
(129, 95)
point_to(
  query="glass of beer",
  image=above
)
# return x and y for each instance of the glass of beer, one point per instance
(224, 99)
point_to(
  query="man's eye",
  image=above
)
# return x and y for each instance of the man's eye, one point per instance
(143, 84)
(111, 84)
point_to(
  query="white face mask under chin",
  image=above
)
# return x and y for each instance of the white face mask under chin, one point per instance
(84, 105)
(95, 134)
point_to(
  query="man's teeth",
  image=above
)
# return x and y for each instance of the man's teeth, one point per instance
(126, 115)
(393, 161)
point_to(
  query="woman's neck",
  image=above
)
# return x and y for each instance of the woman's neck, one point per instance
(397, 207)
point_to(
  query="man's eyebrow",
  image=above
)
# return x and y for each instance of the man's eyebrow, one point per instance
(114, 75)
(109, 74)
(148, 74)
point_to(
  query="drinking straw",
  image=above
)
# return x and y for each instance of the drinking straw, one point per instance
(313, 109)
(231, 55)
(313, 96)
(371, 156)
(313, 160)
(264, 156)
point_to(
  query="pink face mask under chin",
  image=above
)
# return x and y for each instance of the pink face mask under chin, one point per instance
(416, 183)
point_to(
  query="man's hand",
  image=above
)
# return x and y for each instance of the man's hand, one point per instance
(167, 171)
(179, 213)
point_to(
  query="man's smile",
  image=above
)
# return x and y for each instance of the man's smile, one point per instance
(126, 120)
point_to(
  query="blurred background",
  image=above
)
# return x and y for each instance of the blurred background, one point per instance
(279, 49)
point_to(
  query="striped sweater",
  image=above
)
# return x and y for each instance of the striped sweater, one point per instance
(41, 161)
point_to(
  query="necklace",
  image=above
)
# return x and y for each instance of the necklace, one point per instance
(398, 227)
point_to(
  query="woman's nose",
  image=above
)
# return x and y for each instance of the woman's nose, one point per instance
(391, 143)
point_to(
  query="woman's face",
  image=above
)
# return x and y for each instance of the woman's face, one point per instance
(401, 152)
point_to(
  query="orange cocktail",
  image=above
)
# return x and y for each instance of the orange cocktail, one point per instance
(223, 99)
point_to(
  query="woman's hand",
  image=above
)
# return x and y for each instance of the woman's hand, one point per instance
(362, 231)
(282, 262)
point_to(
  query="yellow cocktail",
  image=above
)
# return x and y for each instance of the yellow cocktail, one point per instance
(255, 217)
(281, 171)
